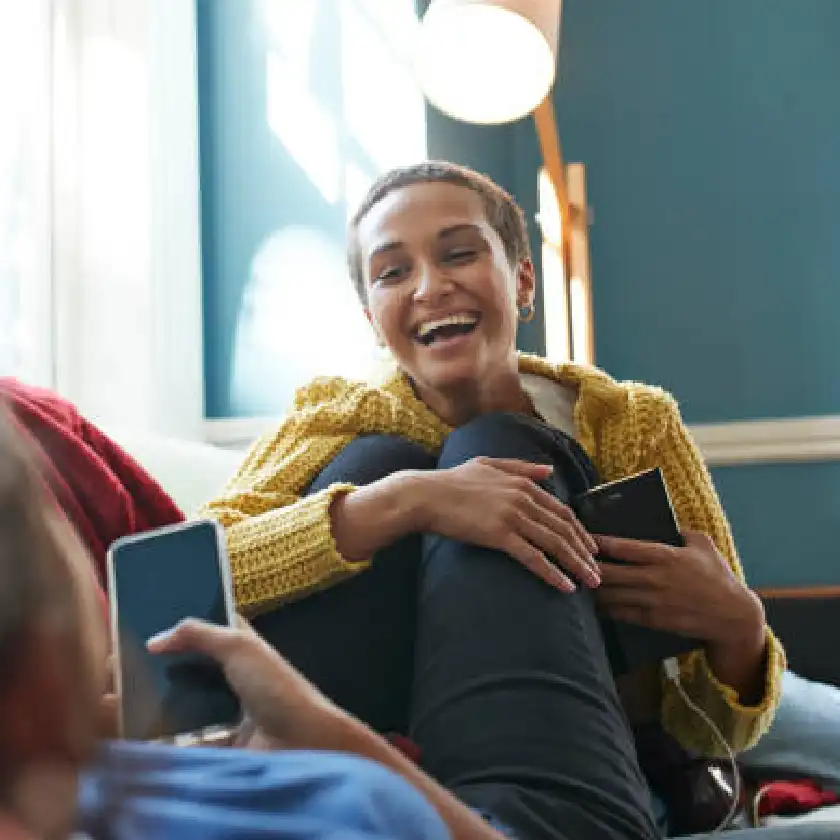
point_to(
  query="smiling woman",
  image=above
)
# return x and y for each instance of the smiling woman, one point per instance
(424, 523)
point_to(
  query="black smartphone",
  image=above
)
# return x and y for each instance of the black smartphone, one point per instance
(637, 508)
(155, 580)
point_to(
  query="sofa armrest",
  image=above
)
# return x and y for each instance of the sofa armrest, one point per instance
(807, 621)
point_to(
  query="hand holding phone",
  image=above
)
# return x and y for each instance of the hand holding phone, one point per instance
(636, 508)
(157, 579)
(282, 709)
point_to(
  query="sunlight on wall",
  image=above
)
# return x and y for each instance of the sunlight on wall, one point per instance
(300, 316)
(384, 109)
(304, 127)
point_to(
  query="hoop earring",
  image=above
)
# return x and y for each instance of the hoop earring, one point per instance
(526, 313)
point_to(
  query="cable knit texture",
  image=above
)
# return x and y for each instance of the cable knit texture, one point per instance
(281, 546)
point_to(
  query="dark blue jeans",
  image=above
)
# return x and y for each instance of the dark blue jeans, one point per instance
(501, 681)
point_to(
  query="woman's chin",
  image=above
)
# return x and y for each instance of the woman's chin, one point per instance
(446, 376)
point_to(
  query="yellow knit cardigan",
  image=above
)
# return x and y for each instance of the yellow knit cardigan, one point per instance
(281, 546)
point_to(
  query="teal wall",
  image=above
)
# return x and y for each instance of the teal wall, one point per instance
(711, 133)
(786, 521)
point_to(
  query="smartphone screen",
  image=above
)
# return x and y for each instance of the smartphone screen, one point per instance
(157, 579)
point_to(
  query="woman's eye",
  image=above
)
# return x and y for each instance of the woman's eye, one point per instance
(391, 274)
(460, 255)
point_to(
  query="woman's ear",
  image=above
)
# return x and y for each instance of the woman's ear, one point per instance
(526, 284)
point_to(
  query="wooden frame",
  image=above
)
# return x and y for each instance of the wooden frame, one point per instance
(798, 592)
(569, 183)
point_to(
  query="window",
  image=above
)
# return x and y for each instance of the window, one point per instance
(25, 206)
(566, 279)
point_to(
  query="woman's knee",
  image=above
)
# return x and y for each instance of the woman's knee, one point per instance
(372, 457)
(509, 435)
(497, 435)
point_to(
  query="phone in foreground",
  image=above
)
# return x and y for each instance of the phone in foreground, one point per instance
(155, 580)
(636, 508)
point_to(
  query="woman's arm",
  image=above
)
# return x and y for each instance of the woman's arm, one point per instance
(737, 683)
(280, 542)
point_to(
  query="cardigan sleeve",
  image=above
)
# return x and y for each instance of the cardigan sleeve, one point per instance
(698, 508)
(279, 541)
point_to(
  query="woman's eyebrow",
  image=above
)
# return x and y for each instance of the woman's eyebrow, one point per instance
(443, 233)
(451, 230)
(384, 248)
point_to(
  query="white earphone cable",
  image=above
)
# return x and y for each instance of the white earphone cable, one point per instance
(672, 671)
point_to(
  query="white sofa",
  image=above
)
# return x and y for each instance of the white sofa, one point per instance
(191, 472)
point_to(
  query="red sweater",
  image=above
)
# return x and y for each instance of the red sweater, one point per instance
(104, 492)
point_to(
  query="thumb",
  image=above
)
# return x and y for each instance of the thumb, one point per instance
(697, 539)
(194, 636)
(525, 469)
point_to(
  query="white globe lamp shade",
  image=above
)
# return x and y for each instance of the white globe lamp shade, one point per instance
(488, 61)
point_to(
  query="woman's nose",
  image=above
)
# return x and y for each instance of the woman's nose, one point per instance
(431, 283)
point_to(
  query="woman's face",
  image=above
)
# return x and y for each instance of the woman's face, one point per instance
(441, 293)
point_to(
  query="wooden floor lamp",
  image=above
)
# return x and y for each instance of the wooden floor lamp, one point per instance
(494, 61)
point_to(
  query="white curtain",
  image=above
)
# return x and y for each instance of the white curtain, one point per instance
(113, 320)
(25, 201)
(126, 259)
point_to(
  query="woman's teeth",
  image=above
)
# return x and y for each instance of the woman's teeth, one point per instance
(443, 327)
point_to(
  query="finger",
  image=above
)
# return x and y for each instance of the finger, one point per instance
(698, 539)
(655, 619)
(564, 527)
(564, 512)
(568, 551)
(641, 552)
(619, 574)
(535, 561)
(644, 616)
(194, 636)
(618, 597)
(525, 469)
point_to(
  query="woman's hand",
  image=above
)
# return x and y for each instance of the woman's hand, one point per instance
(690, 591)
(497, 503)
(286, 710)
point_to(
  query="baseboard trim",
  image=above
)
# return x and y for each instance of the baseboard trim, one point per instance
(773, 441)
(237, 432)
(781, 440)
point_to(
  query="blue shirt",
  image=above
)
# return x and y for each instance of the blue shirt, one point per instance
(153, 792)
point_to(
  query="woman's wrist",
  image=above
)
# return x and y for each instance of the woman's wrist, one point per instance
(737, 657)
(376, 515)
(740, 623)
